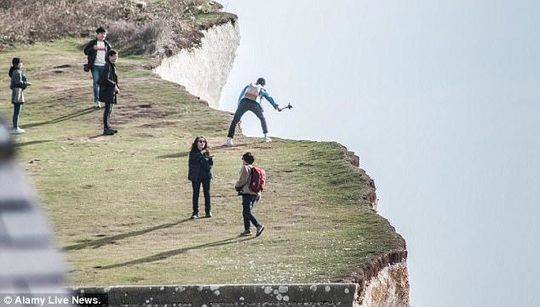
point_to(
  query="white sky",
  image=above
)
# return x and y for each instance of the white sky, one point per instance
(440, 101)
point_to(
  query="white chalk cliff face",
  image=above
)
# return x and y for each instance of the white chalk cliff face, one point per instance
(204, 70)
(389, 288)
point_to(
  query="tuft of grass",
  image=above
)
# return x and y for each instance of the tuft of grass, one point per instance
(120, 205)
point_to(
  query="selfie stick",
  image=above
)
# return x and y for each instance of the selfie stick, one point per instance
(285, 107)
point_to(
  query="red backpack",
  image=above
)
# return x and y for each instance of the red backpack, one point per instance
(258, 179)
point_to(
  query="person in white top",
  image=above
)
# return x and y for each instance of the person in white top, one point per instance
(96, 51)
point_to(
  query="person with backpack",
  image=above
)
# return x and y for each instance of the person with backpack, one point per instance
(200, 172)
(96, 51)
(18, 85)
(109, 90)
(249, 186)
(249, 100)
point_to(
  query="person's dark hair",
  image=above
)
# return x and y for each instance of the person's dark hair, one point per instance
(248, 157)
(110, 53)
(101, 30)
(14, 65)
(261, 81)
(195, 148)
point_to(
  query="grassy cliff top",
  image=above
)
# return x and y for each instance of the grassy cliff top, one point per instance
(153, 27)
(120, 205)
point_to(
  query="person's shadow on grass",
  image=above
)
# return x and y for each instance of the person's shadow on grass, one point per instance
(62, 118)
(175, 155)
(22, 144)
(108, 240)
(174, 252)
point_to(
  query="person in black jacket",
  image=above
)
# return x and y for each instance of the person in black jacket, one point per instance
(96, 51)
(109, 89)
(200, 166)
(18, 85)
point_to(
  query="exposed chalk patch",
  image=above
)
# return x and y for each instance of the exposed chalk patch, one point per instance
(389, 288)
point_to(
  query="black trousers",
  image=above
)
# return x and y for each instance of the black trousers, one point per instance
(244, 106)
(107, 115)
(16, 112)
(196, 190)
(248, 201)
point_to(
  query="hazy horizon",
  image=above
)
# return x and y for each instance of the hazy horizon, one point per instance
(439, 100)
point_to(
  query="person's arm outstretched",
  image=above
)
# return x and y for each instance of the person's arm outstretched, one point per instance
(264, 94)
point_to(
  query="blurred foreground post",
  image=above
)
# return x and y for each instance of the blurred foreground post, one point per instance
(30, 265)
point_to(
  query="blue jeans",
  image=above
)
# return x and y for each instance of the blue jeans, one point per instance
(248, 201)
(17, 107)
(97, 71)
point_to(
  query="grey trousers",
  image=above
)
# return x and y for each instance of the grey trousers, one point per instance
(244, 106)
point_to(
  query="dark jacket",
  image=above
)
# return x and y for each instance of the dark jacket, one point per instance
(108, 83)
(200, 166)
(18, 85)
(91, 53)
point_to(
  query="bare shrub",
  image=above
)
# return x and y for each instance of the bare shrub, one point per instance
(148, 38)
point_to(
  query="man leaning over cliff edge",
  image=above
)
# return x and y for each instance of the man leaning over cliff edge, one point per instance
(249, 100)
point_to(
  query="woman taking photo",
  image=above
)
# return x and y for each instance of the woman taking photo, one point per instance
(200, 166)
(17, 86)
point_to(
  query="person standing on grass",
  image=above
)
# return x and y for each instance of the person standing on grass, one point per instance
(200, 172)
(249, 197)
(249, 100)
(18, 85)
(108, 90)
(96, 51)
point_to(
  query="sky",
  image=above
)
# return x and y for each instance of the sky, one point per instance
(439, 99)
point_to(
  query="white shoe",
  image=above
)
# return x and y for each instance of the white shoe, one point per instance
(229, 142)
(17, 130)
(97, 104)
(267, 139)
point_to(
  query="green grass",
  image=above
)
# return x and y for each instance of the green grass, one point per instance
(119, 205)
